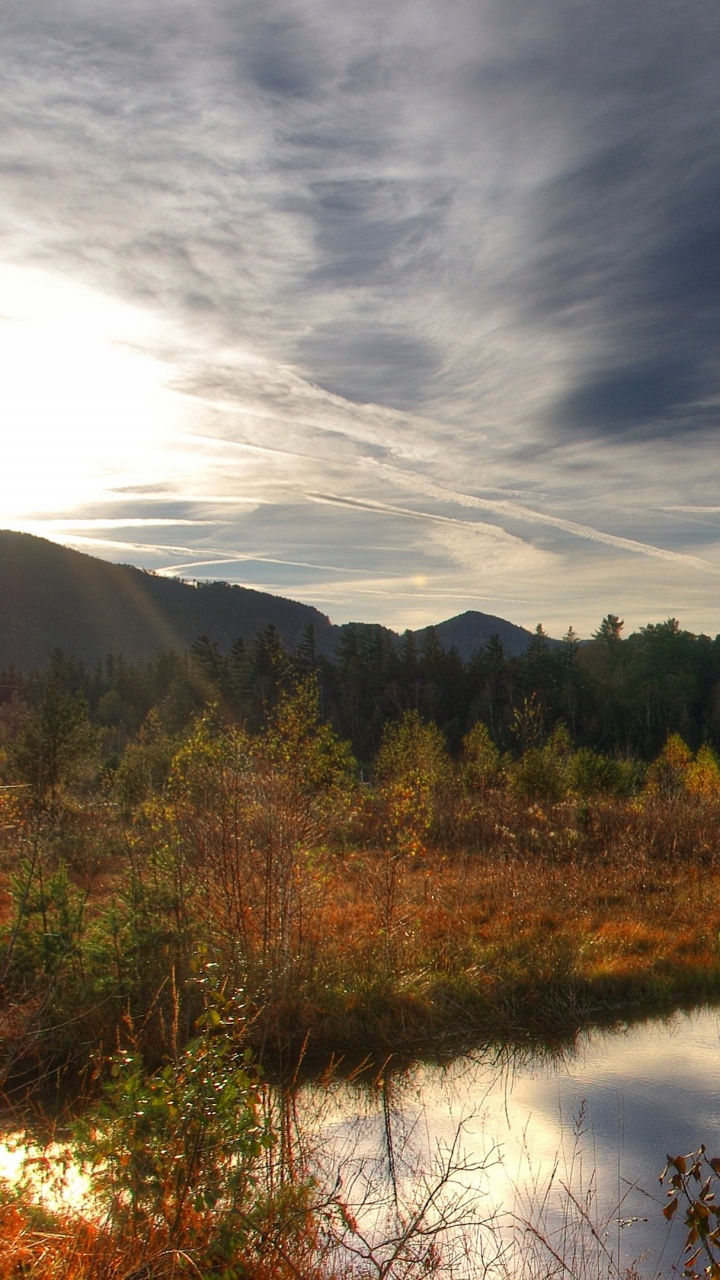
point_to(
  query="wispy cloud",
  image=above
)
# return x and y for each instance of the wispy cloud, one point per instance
(431, 260)
(516, 511)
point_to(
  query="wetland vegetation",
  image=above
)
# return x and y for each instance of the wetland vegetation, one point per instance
(201, 886)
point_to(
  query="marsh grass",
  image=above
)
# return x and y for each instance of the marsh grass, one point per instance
(571, 913)
(560, 1228)
(555, 914)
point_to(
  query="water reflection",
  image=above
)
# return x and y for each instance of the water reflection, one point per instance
(594, 1123)
(50, 1172)
(565, 1147)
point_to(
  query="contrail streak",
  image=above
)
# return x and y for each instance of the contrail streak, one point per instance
(518, 511)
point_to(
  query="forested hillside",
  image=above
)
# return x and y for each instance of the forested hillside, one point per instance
(55, 598)
(132, 641)
(618, 697)
(52, 597)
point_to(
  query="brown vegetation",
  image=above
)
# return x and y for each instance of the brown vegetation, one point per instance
(450, 901)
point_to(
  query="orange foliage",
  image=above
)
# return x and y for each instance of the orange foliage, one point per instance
(64, 1249)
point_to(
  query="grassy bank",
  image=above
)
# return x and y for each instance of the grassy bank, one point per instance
(572, 914)
(560, 914)
(221, 901)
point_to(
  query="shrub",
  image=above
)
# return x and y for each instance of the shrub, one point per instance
(542, 774)
(412, 768)
(668, 774)
(592, 774)
(480, 760)
(176, 1153)
(703, 775)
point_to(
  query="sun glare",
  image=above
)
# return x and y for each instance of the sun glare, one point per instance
(83, 406)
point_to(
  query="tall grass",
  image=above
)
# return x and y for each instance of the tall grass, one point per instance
(498, 914)
(449, 901)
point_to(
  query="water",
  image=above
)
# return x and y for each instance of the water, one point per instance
(596, 1122)
(570, 1143)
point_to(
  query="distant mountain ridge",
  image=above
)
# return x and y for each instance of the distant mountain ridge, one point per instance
(52, 597)
(467, 632)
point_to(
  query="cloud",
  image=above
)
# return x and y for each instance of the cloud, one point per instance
(432, 259)
(625, 260)
(369, 363)
(523, 514)
(626, 397)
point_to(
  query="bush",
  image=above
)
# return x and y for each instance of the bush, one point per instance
(174, 1155)
(413, 770)
(542, 774)
(480, 760)
(667, 775)
(592, 774)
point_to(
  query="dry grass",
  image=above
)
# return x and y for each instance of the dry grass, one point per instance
(620, 903)
(543, 915)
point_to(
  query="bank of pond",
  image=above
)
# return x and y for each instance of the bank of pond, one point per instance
(523, 1161)
(189, 941)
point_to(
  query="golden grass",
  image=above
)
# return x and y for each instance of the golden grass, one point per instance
(533, 917)
(540, 910)
(620, 899)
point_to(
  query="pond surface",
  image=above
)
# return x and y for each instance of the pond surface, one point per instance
(565, 1147)
(597, 1122)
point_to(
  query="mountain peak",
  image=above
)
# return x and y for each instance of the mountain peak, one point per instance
(470, 631)
(52, 597)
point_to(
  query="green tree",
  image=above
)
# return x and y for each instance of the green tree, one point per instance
(480, 761)
(490, 681)
(610, 630)
(208, 663)
(177, 1159)
(412, 766)
(56, 739)
(542, 774)
(366, 685)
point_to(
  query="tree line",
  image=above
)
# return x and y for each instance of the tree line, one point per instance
(622, 697)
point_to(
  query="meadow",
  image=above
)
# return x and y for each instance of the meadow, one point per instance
(222, 907)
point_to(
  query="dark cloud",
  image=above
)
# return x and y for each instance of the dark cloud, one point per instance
(621, 399)
(329, 142)
(357, 237)
(371, 363)
(282, 58)
(681, 276)
(623, 251)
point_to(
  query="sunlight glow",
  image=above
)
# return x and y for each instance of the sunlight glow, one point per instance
(83, 407)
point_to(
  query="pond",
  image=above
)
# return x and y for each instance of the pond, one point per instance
(570, 1143)
(557, 1153)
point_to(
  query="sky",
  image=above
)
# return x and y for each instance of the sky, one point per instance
(398, 309)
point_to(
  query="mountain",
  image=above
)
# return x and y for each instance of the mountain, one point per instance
(52, 597)
(55, 598)
(470, 631)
